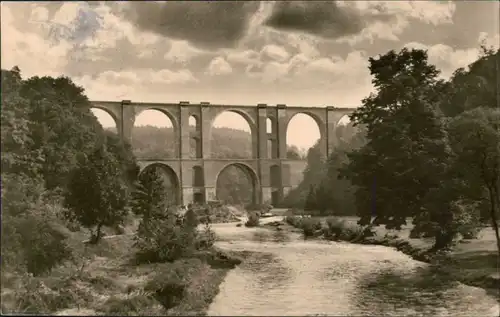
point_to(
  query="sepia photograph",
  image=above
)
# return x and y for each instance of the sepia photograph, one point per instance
(250, 158)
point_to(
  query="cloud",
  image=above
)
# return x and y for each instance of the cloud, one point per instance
(400, 13)
(303, 71)
(207, 24)
(111, 85)
(304, 44)
(274, 52)
(219, 66)
(325, 19)
(447, 59)
(245, 57)
(30, 50)
(354, 21)
(181, 52)
(433, 12)
(347, 72)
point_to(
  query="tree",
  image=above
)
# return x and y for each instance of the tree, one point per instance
(150, 199)
(475, 138)
(124, 154)
(310, 203)
(406, 155)
(473, 87)
(293, 153)
(331, 193)
(18, 155)
(97, 192)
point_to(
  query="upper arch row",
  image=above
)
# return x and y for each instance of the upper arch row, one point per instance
(125, 113)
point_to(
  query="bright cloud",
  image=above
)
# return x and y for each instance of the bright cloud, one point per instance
(219, 66)
(448, 59)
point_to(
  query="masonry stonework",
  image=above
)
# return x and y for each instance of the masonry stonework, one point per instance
(194, 177)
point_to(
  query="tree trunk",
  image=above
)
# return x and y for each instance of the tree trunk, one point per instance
(493, 215)
(443, 241)
(97, 236)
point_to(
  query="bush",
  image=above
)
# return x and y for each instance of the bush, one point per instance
(206, 238)
(471, 230)
(169, 283)
(294, 221)
(335, 227)
(34, 297)
(253, 219)
(339, 229)
(162, 240)
(33, 245)
(131, 305)
(350, 233)
(311, 226)
(45, 295)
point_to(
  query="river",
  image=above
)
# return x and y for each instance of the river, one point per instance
(293, 276)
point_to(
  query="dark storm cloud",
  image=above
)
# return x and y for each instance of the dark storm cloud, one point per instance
(321, 18)
(206, 24)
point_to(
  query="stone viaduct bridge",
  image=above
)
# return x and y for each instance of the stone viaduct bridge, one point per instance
(194, 177)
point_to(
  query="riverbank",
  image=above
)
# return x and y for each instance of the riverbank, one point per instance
(471, 262)
(104, 279)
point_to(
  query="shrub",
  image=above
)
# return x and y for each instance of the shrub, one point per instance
(253, 219)
(311, 226)
(131, 305)
(350, 233)
(34, 297)
(163, 235)
(293, 221)
(335, 227)
(470, 230)
(339, 229)
(168, 285)
(219, 259)
(206, 238)
(34, 251)
(45, 295)
(161, 240)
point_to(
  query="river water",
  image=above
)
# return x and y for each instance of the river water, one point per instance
(293, 276)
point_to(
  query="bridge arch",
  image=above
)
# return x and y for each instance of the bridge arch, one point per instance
(248, 118)
(316, 120)
(170, 115)
(103, 115)
(170, 139)
(171, 178)
(251, 175)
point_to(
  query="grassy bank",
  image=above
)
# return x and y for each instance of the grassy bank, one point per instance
(472, 262)
(105, 279)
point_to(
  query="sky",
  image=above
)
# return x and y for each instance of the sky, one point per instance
(299, 53)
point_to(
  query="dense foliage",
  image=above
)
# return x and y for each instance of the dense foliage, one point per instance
(321, 191)
(97, 193)
(419, 148)
(163, 235)
(48, 131)
(149, 196)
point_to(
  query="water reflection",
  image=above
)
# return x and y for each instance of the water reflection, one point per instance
(426, 292)
(293, 276)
